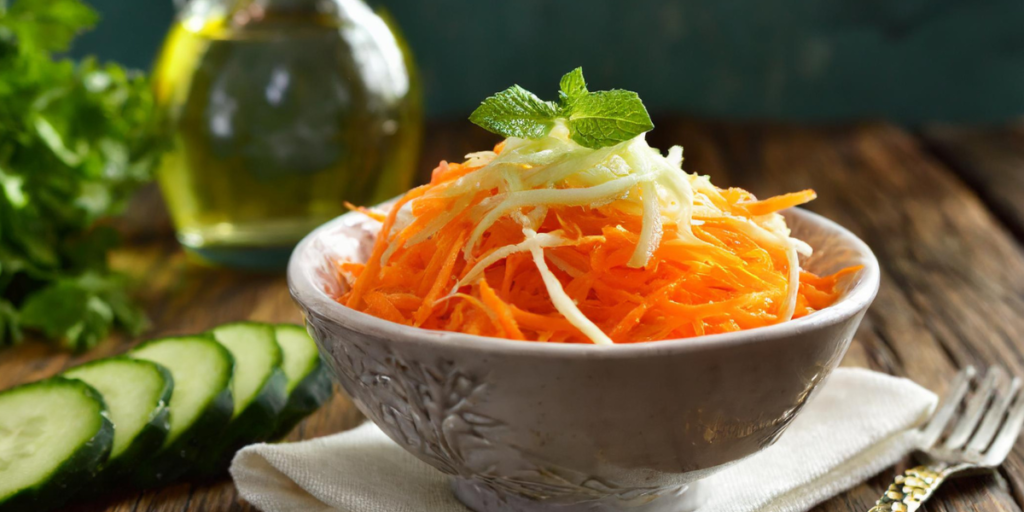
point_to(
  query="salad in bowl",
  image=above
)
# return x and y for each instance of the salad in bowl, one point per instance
(570, 321)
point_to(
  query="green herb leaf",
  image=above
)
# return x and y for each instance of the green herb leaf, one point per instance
(76, 140)
(9, 322)
(55, 310)
(47, 25)
(80, 312)
(595, 119)
(571, 87)
(606, 118)
(515, 112)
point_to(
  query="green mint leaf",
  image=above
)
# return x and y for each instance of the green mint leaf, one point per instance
(572, 87)
(595, 119)
(606, 118)
(515, 112)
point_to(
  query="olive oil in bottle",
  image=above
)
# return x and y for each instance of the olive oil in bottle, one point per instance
(278, 112)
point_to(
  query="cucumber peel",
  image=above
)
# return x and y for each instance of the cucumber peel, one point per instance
(309, 384)
(258, 385)
(201, 405)
(170, 406)
(54, 434)
(136, 393)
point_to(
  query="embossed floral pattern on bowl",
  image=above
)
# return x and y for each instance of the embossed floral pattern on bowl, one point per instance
(542, 427)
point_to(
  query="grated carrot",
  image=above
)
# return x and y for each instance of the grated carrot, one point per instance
(778, 203)
(502, 310)
(730, 268)
(369, 274)
(377, 216)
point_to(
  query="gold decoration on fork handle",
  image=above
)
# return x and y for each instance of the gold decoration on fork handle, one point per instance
(982, 429)
(910, 489)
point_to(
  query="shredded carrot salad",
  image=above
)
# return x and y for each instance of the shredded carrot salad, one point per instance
(543, 240)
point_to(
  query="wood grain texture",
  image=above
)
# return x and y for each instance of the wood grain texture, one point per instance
(952, 284)
(952, 275)
(990, 160)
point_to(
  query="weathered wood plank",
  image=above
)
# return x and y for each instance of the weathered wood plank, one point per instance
(183, 298)
(952, 278)
(952, 275)
(991, 161)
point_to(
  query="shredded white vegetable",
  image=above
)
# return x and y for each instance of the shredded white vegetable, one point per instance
(591, 196)
(563, 303)
(650, 232)
(789, 307)
(533, 175)
(544, 240)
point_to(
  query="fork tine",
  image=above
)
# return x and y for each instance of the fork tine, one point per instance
(994, 416)
(1007, 436)
(975, 409)
(933, 431)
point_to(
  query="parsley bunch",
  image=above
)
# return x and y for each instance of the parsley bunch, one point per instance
(76, 139)
(595, 119)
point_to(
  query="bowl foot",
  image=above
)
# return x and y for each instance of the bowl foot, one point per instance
(481, 498)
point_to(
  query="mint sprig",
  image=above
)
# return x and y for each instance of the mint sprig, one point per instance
(595, 119)
(572, 87)
(515, 112)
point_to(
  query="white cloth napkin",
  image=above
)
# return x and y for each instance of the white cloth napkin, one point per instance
(859, 424)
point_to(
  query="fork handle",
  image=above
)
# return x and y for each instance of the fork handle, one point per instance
(910, 489)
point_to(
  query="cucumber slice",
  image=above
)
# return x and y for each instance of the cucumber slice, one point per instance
(309, 384)
(54, 435)
(259, 388)
(257, 366)
(136, 393)
(201, 405)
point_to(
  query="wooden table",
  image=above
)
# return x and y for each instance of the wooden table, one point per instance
(943, 208)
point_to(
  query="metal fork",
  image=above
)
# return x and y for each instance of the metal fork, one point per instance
(961, 440)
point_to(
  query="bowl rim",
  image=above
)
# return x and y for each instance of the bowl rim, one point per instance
(314, 301)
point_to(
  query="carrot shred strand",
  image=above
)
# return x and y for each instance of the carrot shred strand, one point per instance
(722, 279)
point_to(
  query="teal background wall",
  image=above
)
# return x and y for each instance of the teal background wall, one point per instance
(820, 60)
(129, 31)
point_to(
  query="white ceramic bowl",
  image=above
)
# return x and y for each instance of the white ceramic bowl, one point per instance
(526, 426)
